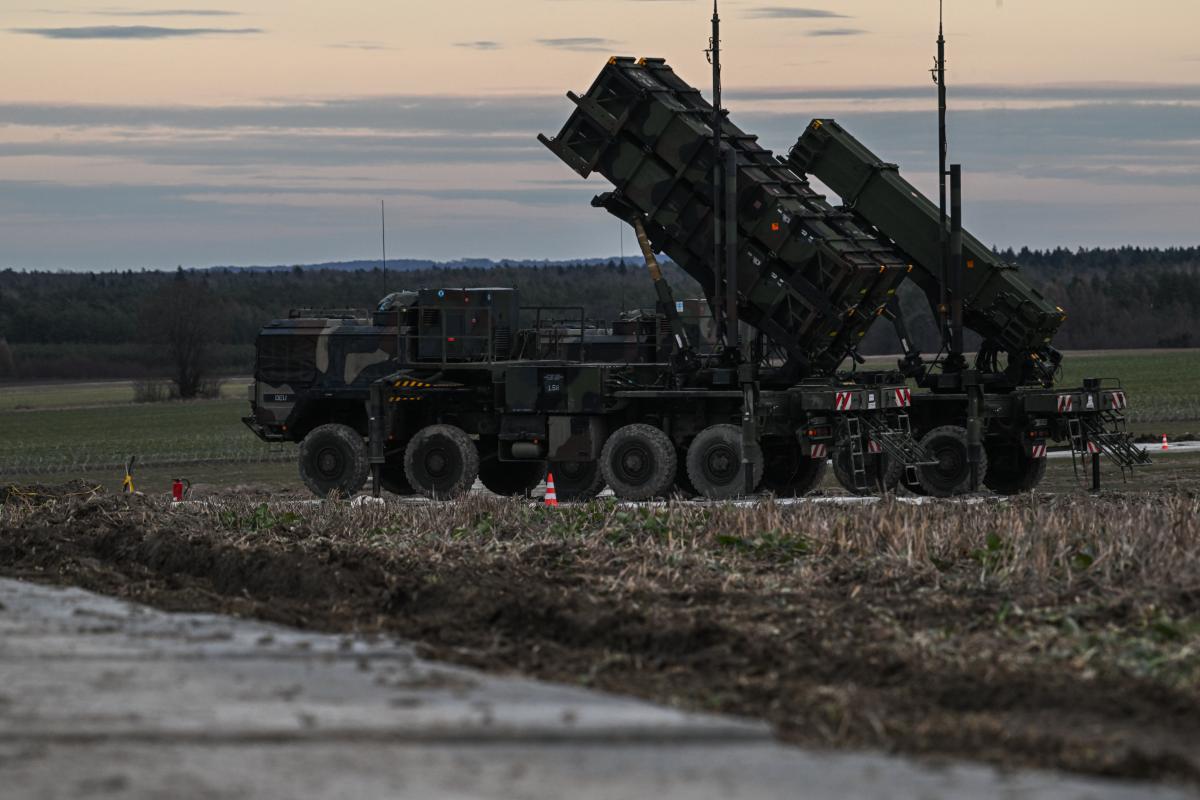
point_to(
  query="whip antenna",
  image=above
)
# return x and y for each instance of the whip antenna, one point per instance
(383, 243)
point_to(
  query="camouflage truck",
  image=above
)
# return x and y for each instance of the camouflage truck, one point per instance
(439, 387)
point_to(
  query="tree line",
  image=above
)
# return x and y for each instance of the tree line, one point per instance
(125, 324)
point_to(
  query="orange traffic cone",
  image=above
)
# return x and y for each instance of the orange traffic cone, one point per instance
(551, 497)
(1164, 447)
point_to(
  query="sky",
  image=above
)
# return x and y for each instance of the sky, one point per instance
(147, 134)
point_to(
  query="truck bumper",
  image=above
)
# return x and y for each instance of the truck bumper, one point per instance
(261, 432)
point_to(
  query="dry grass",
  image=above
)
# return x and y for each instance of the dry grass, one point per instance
(1059, 632)
(1115, 543)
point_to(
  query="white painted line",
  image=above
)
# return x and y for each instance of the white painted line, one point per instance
(1154, 450)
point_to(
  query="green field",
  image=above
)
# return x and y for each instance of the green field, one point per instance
(92, 428)
(88, 429)
(70, 394)
(1163, 385)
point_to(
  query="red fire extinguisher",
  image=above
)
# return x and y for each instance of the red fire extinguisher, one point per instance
(180, 488)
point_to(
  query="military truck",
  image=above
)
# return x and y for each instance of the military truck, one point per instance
(441, 386)
(437, 388)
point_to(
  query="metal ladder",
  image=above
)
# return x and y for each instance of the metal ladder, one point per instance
(1075, 433)
(898, 443)
(1108, 433)
(852, 435)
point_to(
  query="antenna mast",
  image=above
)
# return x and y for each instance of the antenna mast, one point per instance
(939, 77)
(383, 243)
(714, 57)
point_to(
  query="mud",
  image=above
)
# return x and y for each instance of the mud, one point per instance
(924, 662)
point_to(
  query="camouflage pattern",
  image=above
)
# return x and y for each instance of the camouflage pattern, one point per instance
(810, 277)
(575, 438)
(299, 355)
(998, 303)
(557, 388)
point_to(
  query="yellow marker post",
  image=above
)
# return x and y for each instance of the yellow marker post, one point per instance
(127, 482)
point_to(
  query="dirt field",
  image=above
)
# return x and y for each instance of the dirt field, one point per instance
(1062, 632)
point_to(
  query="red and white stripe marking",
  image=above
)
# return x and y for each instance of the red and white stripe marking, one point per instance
(1037, 451)
(820, 451)
(843, 401)
(904, 397)
(1065, 403)
(874, 446)
(1093, 448)
(1119, 400)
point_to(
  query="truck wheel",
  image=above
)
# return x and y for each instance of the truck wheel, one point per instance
(952, 474)
(684, 488)
(896, 475)
(392, 478)
(334, 460)
(639, 462)
(576, 480)
(1010, 470)
(788, 473)
(441, 462)
(714, 463)
(510, 478)
(879, 479)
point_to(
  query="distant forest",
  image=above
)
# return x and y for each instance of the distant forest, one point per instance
(96, 325)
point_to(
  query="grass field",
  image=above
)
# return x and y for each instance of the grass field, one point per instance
(70, 394)
(1163, 385)
(85, 428)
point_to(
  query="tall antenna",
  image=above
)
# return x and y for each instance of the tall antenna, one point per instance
(383, 243)
(939, 77)
(714, 57)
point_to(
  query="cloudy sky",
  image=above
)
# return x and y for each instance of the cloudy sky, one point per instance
(266, 131)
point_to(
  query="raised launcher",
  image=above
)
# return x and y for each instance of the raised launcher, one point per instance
(811, 278)
(1012, 317)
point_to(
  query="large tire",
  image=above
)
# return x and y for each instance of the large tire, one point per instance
(441, 462)
(576, 480)
(896, 475)
(879, 478)
(392, 478)
(714, 463)
(683, 484)
(952, 474)
(510, 478)
(639, 462)
(334, 460)
(1010, 470)
(788, 473)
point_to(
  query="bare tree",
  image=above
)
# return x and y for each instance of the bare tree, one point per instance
(185, 320)
(7, 368)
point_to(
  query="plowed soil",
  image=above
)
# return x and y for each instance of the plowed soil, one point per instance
(1033, 633)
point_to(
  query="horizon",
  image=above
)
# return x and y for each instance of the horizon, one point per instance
(472, 262)
(146, 137)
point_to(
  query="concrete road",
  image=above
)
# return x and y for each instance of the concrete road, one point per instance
(100, 698)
